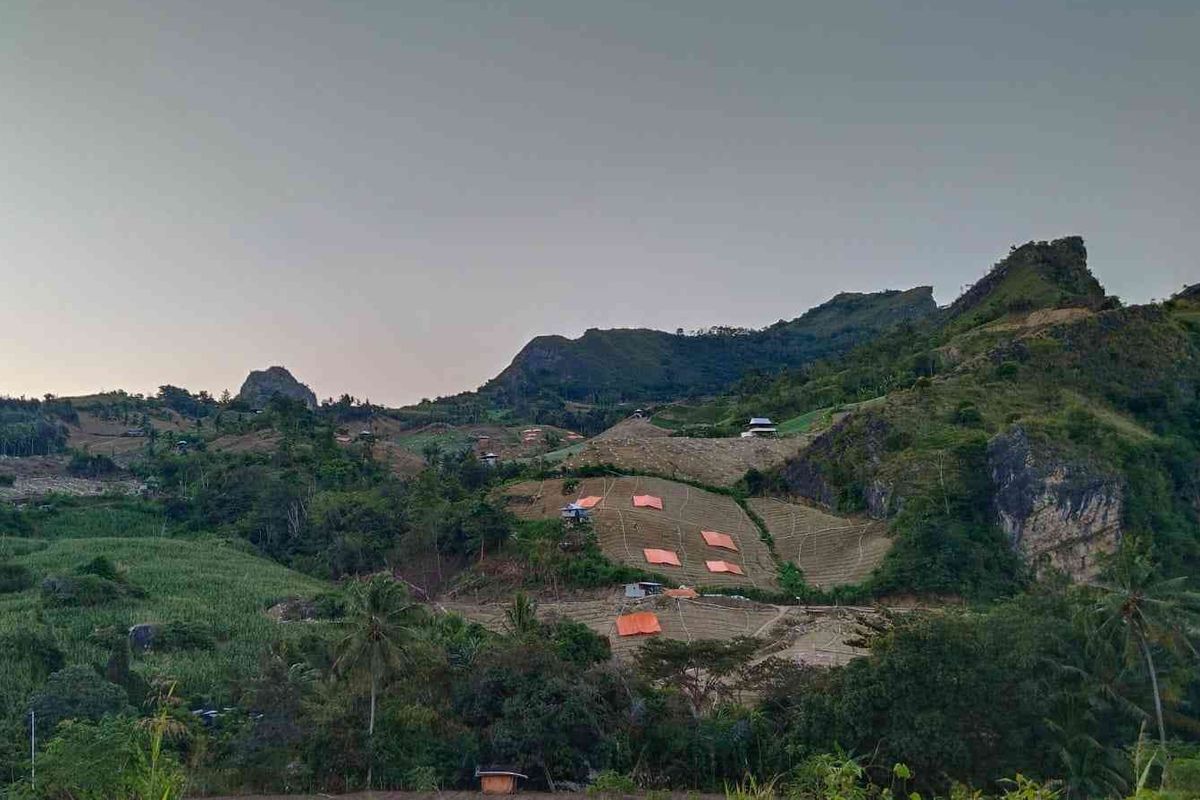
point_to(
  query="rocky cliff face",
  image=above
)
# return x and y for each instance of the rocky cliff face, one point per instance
(1056, 514)
(261, 385)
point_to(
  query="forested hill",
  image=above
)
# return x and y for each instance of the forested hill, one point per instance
(641, 364)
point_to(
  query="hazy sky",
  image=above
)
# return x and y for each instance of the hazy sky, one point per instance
(390, 198)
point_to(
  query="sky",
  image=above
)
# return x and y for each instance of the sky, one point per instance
(391, 198)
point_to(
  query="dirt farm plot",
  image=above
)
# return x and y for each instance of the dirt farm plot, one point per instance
(716, 462)
(811, 635)
(830, 550)
(624, 532)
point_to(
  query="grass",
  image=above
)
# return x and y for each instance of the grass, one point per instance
(122, 517)
(208, 582)
(555, 456)
(802, 423)
(448, 440)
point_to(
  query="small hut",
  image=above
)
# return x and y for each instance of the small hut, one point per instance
(573, 512)
(636, 591)
(489, 459)
(498, 780)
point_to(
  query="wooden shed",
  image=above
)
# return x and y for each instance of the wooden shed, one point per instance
(496, 780)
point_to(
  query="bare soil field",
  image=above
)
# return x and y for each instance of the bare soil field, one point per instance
(716, 462)
(830, 550)
(821, 636)
(623, 531)
(254, 442)
(633, 428)
(37, 476)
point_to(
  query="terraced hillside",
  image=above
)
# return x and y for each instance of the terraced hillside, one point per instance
(624, 531)
(808, 635)
(830, 550)
(716, 462)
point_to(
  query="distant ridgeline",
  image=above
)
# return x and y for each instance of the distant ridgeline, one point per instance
(1035, 414)
(605, 367)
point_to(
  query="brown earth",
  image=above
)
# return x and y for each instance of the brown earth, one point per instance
(624, 531)
(37, 476)
(817, 635)
(265, 441)
(830, 550)
(633, 428)
(716, 462)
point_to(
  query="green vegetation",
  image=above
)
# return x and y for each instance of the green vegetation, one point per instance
(195, 639)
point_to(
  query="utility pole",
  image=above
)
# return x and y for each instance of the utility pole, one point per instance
(32, 749)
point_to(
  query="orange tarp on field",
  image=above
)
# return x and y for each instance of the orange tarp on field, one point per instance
(647, 501)
(662, 557)
(638, 622)
(682, 591)
(714, 539)
(589, 501)
(723, 566)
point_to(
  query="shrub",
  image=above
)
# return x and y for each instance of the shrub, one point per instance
(101, 567)
(84, 590)
(184, 636)
(611, 782)
(92, 466)
(14, 578)
(77, 692)
(7, 479)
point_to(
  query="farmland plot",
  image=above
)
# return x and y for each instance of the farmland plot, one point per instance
(624, 532)
(830, 550)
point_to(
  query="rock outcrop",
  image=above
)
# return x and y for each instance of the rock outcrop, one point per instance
(1056, 514)
(261, 385)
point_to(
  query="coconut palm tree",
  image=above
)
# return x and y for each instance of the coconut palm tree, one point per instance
(520, 619)
(376, 639)
(1148, 613)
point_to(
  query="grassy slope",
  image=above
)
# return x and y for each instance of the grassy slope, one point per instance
(199, 581)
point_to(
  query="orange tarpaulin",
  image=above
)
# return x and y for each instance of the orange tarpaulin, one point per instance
(682, 591)
(589, 501)
(714, 539)
(661, 557)
(647, 501)
(723, 566)
(638, 622)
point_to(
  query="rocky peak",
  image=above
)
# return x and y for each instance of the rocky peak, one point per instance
(261, 385)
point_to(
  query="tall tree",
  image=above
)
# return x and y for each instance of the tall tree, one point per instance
(377, 635)
(1148, 612)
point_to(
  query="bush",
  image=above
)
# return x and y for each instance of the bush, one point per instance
(14, 578)
(77, 692)
(6, 479)
(184, 636)
(576, 643)
(101, 567)
(610, 782)
(83, 590)
(91, 466)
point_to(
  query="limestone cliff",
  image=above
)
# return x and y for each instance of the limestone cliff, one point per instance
(1056, 513)
(261, 385)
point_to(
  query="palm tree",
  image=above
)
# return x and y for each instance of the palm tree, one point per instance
(520, 619)
(376, 636)
(1148, 611)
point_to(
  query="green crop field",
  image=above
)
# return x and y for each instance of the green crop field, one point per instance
(207, 582)
(801, 424)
